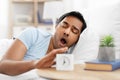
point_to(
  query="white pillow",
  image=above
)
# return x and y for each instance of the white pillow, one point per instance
(103, 18)
(87, 47)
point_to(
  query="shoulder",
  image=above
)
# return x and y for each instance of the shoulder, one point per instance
(39, 31)
(33, 34)
(32, 31)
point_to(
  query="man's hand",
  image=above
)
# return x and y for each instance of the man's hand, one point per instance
(48, 60)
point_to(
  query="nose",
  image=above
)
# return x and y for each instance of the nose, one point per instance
(67, 32)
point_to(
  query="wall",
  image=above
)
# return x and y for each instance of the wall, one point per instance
(4, 4)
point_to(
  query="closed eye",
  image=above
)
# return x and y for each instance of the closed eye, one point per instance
(75, 30)
(64, 24)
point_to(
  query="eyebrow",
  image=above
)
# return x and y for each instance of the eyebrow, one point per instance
(65, 22)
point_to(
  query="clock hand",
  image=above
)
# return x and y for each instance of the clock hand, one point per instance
(64, 62)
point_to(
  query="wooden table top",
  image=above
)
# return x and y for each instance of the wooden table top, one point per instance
(78, 74)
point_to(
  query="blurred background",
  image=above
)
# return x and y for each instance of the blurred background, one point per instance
(102, 18)
(16, 15)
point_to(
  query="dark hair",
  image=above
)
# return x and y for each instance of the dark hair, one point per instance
(75, 14)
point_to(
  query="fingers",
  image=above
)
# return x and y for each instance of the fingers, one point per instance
(48, 60)
(60, 50)
(53, 53)
(53, 63)
(47, 64)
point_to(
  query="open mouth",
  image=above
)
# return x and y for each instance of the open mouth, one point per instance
(63, 41)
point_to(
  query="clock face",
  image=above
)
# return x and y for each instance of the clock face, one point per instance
(65, 61)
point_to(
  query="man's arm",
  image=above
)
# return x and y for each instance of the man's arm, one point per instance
(12, 67)
(13, 64)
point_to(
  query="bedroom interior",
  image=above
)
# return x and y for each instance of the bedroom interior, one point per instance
(102, 17)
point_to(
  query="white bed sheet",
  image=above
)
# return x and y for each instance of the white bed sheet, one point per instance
(30, 75)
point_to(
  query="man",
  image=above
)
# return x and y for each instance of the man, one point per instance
(34, 48)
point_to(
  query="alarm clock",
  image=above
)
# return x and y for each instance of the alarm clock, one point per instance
(64, 62)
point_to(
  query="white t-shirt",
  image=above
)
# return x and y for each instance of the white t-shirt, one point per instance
(36, 42)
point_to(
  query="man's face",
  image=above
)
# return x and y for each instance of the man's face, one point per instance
(67, 32)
